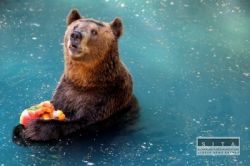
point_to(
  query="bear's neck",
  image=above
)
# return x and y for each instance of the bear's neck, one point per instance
(94, 74)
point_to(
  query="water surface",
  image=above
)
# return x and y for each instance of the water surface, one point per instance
(190, 61)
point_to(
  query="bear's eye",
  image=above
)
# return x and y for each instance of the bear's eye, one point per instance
(75, 27)
(94, 32)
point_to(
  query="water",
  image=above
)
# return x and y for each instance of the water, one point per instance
(190, 64)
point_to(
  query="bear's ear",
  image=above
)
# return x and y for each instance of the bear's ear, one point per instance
(72, 16)
(117, 27)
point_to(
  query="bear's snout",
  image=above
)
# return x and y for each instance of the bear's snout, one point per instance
(75, 42)
(75, 38)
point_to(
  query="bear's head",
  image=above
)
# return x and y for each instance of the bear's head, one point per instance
(89, 40)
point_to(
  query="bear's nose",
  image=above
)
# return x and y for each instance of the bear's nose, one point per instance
(76, 35)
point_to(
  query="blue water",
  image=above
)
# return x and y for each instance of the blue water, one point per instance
(190, 60)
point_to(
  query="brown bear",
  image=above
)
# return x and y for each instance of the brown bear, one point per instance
(95, 83)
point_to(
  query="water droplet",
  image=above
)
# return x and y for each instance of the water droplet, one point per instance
(35, 24)
(89, 163)
(210, 29)
(246, 74)
(31, 9)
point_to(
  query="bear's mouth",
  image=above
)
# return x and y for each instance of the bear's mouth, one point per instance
(75, 49)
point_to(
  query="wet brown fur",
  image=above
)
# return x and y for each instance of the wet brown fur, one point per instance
(91, 88)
